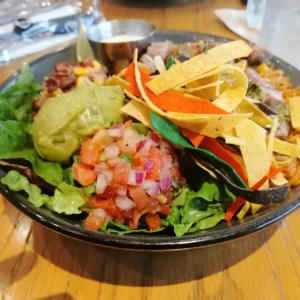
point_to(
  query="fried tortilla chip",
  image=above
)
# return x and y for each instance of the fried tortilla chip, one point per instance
(259, 117)
(286, 148)
(294, 104)
(138, 110)
(193, 68)
(254, 150)
(226, 85)
(210, 125)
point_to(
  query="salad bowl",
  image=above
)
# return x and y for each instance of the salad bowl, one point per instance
(71, 226)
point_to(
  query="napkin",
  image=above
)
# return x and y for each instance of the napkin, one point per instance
(236, 21)
(18, 49)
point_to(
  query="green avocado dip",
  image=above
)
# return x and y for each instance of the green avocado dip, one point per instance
(63, 121)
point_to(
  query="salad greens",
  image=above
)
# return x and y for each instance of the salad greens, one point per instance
(198, 205)
(67, 199)
(15, 112)
(219, 168)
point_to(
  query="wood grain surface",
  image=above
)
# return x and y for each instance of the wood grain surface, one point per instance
(36, 263)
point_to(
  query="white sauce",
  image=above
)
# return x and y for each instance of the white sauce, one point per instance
(122, 38)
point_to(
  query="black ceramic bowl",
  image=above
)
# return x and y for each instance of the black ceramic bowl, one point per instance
(70, 226)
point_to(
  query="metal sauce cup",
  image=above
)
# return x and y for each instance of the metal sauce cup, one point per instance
(113, 42)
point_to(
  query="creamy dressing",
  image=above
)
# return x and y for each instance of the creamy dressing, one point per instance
(121, 38)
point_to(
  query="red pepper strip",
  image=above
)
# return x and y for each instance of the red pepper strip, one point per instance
(239, 202)
(195, 138)
(170, 101)
(229, 148)
(213, 146)
(272, 173)
(233, 208)
(130, 77)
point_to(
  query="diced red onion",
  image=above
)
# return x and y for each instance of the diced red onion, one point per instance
(114, 161)
(149, 164)
(100, 167)
(136, 177)
(116, 130)
(121, 191)
(165, 183)
(165, 147)
(155, 138)
(101, 183)
(151, 187)
(166, 166)
(112, 150)
(99, 212)
(124, 203)
(144, 147)
(131, 138)
(109, 174)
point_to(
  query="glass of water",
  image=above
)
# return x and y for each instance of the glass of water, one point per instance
(255, 13)
(280, 30)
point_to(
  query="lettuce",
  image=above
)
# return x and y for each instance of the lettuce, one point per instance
(67, 199)
(51, 172)
(15, 112)
(198, 210)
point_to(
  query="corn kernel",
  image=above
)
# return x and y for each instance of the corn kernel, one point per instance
(79, 81)
(263, 67)
(96, 64)
(79, 71)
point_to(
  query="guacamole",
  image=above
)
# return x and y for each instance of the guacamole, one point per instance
(66, 119)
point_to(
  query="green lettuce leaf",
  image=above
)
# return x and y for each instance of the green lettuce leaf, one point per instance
(172, 133)
(66, 199)
(51, 172)
(15, 112)
(198, 210)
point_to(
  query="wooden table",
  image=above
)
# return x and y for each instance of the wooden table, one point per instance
(36, 263)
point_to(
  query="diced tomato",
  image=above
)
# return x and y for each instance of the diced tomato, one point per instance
(133, 222)
(109, 192)
(109, 205)
(93, 222)
(91, 148)
(121, 174)
(165, 209)
(153, 205)
(155, 156)
(128, 154)
(175, 173)
(130, 141)
(88, 154)
(138, 162)
(153, 221)
(139, 197)
(83, 174)
(168, 194)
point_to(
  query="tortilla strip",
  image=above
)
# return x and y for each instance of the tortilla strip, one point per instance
(237, 83)
(294, 104)
(254, 150)
(189, 70)
(117, 80)
(210, 125)
(258, 116)
(286, 148)
(226, 85)
(139, 111)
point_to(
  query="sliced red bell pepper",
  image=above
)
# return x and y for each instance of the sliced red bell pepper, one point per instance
(170, 101)
(217, 149)
(233, 208)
